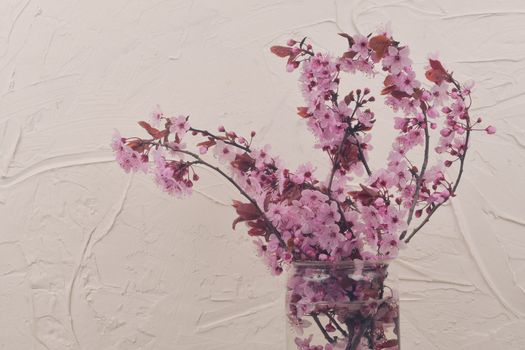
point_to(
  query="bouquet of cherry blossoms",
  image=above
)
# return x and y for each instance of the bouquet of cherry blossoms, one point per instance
(350, 213)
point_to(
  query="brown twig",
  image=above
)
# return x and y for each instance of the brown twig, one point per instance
(454, 188)
(354, 343)
(323, 330)
(348, 132)
(336, 324)
(458, 178)
(215, 137)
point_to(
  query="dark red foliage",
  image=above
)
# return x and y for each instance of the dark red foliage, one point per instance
(349, 155)
(379, 44)
(303, 112)
(388, 344)
(246, 212)
(155, 133)
(281, 51)
(437, 73)
(366, 196)
(243, 162)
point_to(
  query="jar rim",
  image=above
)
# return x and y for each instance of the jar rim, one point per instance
(342, 263)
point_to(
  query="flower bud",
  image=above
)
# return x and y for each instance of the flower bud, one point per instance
(445, 132)
(490, 130)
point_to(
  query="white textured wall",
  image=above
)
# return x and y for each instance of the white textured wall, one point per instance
(91, 258)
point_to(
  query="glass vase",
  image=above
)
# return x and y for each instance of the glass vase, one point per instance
(350, 305)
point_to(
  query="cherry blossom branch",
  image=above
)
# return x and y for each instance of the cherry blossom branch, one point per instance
(419, 180)
(232, 181)
(348, 132)
(218, 138)
(454, 188)
(393, 196)
(362, 156)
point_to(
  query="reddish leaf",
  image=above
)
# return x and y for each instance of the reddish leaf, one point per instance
(389, 80)
(388, 90)
(348, 37)
(156, 133)
(161, 134)
(151, 130)
(257, 228)
(390, 86)
(423, 106)
(303, 112)
(281, 51)
(436, 76)
(399, 94)
(379, 44)
(435, 64)
(389, 343)
(349, 54)
(208, 143)
(366, 196)
(437, 73)
(246, 211)
(136, 145)
(349, 98)
(243, 162)
(349, 155)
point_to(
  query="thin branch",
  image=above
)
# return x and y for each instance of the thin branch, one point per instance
(458, 178)
(336, 324)
(456, 184)
(215, 137)
(419, 180)
(362, 156)
(325, 333)
(349, 131)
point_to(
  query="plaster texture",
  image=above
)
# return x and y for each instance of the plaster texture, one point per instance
(93, 258)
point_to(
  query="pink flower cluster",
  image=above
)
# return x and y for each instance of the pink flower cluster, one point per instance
(351, 211)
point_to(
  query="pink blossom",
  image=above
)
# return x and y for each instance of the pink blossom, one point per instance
(156, 116)
(304, 173)
(490, 129)
(366, 118)
(439, 93)
(171, 176)
(179, 126)
(406, 81)
(127, 158)
(360, 45)
(397, 59)
(224, 152)
(389, 245)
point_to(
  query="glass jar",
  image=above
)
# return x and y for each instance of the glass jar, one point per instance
(350, 305)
